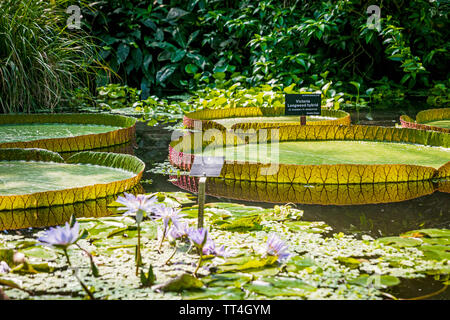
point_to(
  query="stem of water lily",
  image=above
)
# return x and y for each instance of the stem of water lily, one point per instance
(85, 288)
(198, 265)
(171, 256)
(67, 257)
(162, 239)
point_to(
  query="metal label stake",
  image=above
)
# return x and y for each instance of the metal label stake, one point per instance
(302, 120)
(205, 167)
(201, 201)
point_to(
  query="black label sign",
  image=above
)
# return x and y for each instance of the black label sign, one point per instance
(303, 104)
(207, 166)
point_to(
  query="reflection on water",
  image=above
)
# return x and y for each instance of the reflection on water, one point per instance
(58, 215)
(374, 209)
(351, 194)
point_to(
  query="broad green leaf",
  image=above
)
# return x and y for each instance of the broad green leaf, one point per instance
(214, 294)
(180, 283)
(178, 55)
(191, 68)
(122, 53)
(400, 242)
(165, 72)
(252, 264)
(377, 281)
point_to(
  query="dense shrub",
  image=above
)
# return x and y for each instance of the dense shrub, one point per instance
(179, 45)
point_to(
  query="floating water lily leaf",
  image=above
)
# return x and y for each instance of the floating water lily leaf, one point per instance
(38, 251)
(121, 130)
(214, 294)
(228, 214)
(265, 272)
(275, 287)
(241, 224)
(180, 283)
(10, 283)
(297, 263)
(436, 252)
(236, 118)
(432, 233)
(227, 280)
(58, 215)
(7, 255)
(283, 282)
(181, 197)
(417, 166)
(431, 119)
(31, 268)
(248, 264)
(400, 241)
(437, 241)
(350, 262)
(307, 226)
(377, 281)
(131, 167)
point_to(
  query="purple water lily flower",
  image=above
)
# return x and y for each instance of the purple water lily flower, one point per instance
(277, 247)
(168, 214)
(177, 231)
(210, 249)
(138, 205)
(4, 268)
(61, 237)
(198, 237)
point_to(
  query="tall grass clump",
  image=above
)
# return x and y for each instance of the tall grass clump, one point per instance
(41, 60)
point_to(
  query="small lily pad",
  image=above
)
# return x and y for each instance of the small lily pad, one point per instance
(180, 283)
(378, 281)
(400, 242)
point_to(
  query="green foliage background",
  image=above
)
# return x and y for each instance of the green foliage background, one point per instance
(41, 61)
(180, 45)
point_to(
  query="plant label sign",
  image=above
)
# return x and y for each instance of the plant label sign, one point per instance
(303, 104)
(207, 166)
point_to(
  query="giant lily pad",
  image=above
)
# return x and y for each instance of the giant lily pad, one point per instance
(32, 178)
(432, 119)
(255, 118)
(65, 132)
(58, 215)
(322, 154)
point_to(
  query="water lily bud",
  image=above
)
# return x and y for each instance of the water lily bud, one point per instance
(18, 258)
